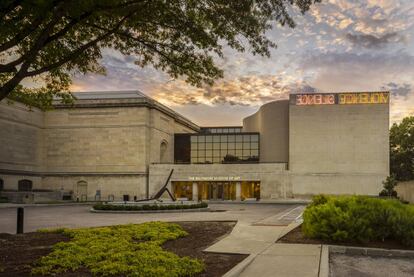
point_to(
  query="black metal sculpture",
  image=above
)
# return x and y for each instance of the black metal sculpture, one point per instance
(161, 191)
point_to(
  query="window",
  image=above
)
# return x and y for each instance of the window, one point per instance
(25, 185)
(163, 152)
(221, 148)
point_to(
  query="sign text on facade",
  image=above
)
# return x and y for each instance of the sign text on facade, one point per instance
(339, 98)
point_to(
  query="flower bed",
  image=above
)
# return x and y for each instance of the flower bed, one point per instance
(148, 207)
(359, 219)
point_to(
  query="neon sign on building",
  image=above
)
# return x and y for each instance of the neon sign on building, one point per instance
(315, 99)
(345, 98)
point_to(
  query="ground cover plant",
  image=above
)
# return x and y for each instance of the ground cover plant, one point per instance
(109, 207)
(359, 219)
(126, 250)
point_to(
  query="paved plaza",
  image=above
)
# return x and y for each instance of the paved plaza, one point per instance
(75, 216)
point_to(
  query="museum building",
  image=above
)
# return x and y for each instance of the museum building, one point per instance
(122, 145)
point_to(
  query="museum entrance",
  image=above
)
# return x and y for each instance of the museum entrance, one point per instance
(217, 190)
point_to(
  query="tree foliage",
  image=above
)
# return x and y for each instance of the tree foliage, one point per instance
(47, 41)
(389, 187)
(402, 149)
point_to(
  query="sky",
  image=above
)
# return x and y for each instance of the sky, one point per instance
(339, 45)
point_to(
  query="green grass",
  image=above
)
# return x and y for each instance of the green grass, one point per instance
(126, 250)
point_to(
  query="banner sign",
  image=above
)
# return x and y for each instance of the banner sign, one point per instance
(345, 98)
(214, 178)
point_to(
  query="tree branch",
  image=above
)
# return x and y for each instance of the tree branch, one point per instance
(78, 51)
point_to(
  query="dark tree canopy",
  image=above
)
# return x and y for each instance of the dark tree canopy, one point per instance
(49, 40)
(402, 149)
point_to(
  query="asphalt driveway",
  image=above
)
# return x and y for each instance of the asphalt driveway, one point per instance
(75, 216)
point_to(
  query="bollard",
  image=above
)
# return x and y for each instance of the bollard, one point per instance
(20, 220)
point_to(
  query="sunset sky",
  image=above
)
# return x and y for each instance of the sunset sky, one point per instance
(339, 45)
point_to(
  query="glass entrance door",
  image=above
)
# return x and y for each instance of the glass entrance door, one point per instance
(215, 191)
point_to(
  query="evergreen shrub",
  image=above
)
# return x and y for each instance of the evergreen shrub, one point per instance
(359, 219)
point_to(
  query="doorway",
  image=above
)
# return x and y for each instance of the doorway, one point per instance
(82, 191)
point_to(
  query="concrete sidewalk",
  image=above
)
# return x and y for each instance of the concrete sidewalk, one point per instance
(285, 260)
(268, 258)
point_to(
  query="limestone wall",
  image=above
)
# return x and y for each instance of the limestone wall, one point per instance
(272, 122)
(107, 143)
(21, 133)
(342, 149)
(405, 191)
(116, 185)
(95, 140)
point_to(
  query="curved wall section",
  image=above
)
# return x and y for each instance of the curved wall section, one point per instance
(272, 122)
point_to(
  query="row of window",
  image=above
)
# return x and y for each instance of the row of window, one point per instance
(217, 148)
(221, 130)
(225, 148)
(225, 138)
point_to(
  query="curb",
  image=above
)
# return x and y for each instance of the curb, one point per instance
(263, 202)
(324, 262)
(352, 250)
(239, 268)
(15, 205)
(150, 211)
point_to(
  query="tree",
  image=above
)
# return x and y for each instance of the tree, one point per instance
(389, 187)
(402, 149)
(49, 40)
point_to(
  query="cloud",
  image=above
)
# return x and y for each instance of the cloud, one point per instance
(372, 41)
(347, 71)
(397, 90)
(243, 91)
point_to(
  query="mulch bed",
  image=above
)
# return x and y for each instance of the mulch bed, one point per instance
(297, 236)
(19, 252)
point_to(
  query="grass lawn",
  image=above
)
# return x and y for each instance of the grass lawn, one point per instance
(148, 249)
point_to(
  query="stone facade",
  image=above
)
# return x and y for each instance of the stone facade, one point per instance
(338, 149)
(106, 143)
(112, 144)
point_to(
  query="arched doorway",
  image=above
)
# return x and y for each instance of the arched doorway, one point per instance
(82, 191)
(1, 184)
(163, 152)
(25, 185)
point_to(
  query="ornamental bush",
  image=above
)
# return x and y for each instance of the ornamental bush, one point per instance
(108, 207)
(359, 219)
(123, 250)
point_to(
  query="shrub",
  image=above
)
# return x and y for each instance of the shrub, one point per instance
(124, 250)
(359, 218)
(389, 187)
(108, 207)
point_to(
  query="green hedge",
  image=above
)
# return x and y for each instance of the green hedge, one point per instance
(108, 207)
(359, 219)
